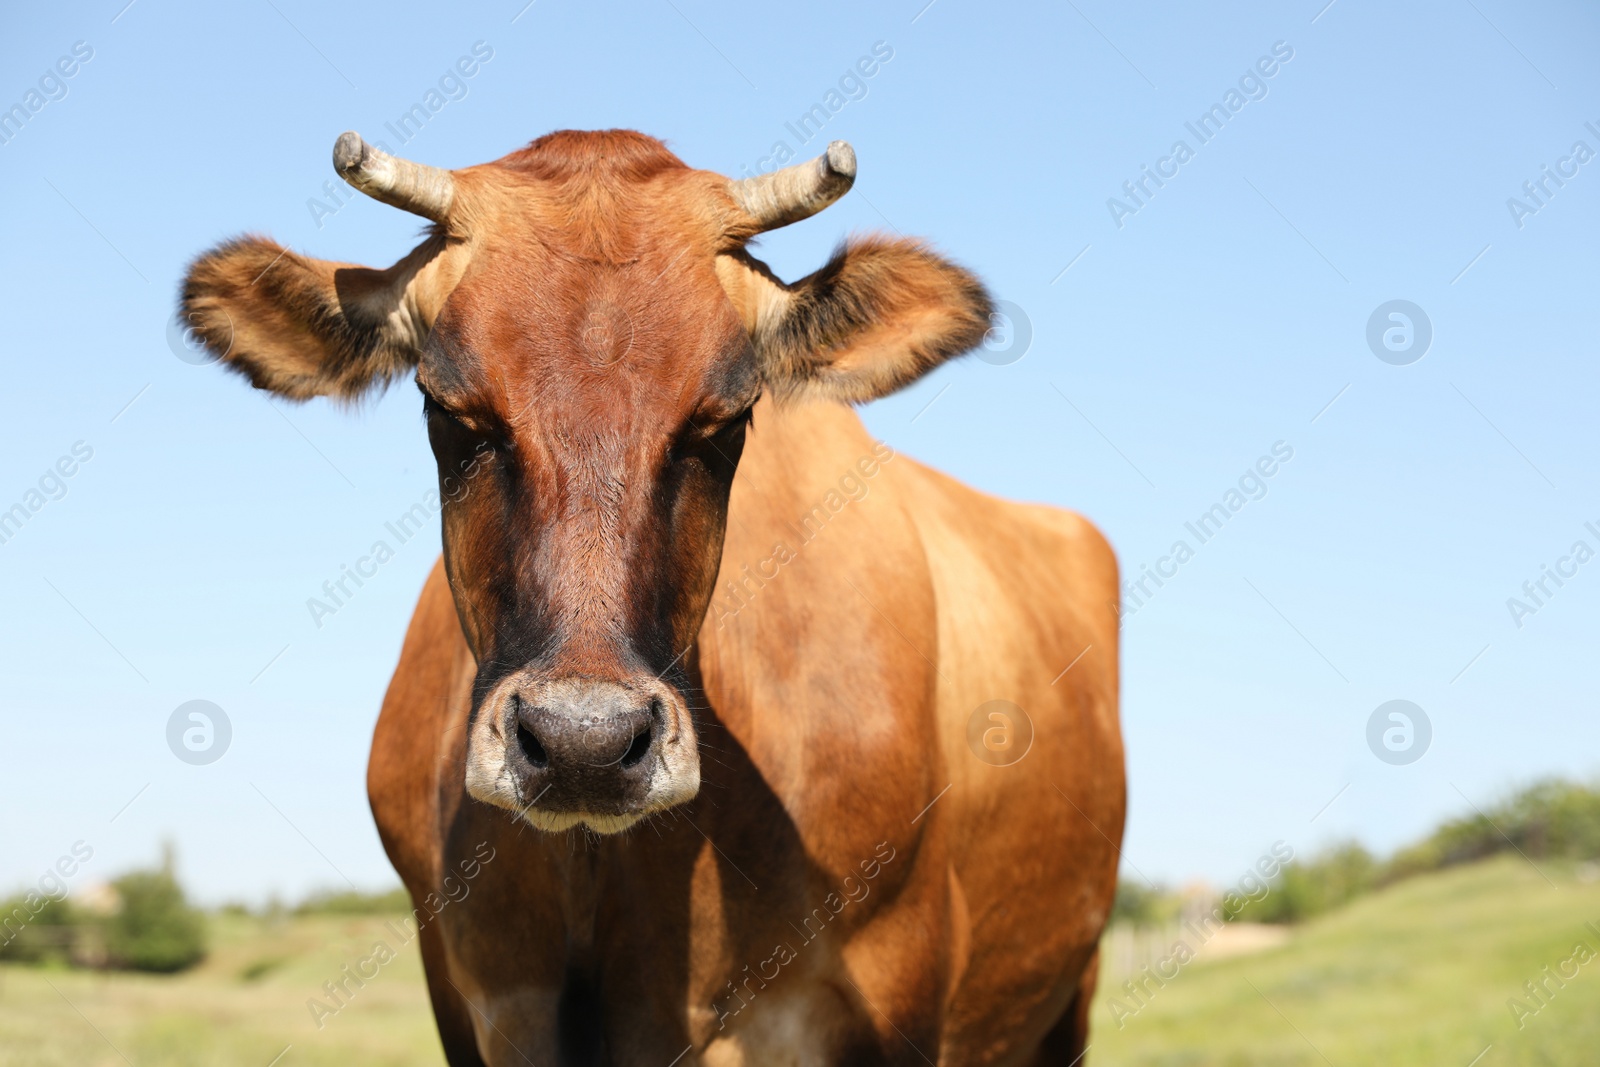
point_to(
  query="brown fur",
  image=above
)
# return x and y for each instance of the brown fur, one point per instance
(303, 327)
(879, 315)
(593, 339)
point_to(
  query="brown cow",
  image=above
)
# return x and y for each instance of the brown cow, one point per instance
(691, 756)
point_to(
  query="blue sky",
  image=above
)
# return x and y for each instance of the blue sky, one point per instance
(1224, 315)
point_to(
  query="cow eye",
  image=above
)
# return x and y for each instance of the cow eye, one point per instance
(442, 419)
(433, 410)
(714, 446)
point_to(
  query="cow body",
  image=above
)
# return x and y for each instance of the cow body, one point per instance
(712, 742)
(865, 876)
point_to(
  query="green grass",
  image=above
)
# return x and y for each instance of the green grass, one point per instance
(1418, 973)
(241, 1006)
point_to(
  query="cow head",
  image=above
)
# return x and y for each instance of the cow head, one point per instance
(589, 335)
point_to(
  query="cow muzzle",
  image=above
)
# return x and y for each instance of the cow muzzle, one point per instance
(561, 751)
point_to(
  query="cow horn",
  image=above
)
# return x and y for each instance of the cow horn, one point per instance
(414, 187)
(796, 192)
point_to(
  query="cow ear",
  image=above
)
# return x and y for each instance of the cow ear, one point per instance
(881, 313)
(302, 327)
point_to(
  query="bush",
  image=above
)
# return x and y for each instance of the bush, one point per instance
(1304, 889)
(156, 929)
(1550, 820)
(1141, 905)
(35, 928)
(394, 901)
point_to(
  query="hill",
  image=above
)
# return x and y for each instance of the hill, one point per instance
(1417, 973)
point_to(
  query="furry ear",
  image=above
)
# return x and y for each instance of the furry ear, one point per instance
(881, 313)
(302, 327)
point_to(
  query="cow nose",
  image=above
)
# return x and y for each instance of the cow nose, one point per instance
(584, 729)
(564, 750)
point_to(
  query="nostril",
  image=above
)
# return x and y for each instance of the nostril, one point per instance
(531, 747)
(637, 750)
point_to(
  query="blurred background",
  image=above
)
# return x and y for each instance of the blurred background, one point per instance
(1369, 268)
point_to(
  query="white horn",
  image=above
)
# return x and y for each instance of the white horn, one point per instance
(796, 192)
(414, 187)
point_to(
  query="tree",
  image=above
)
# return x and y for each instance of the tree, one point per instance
(156, 928)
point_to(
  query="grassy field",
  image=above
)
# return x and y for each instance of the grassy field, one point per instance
(1416, 974)
(243, 1006)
